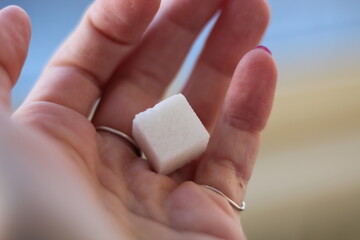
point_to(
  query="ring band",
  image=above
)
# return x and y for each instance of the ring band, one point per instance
(129, 140)
(232, 203)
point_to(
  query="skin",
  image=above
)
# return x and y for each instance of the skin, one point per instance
(91, 184)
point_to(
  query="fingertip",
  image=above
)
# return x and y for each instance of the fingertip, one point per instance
(251, 92)
(260, 61)
(19, 18)
(264, 48)
(14, 40)
(262, 57)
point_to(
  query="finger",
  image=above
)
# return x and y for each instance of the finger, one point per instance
(228, 162)
(141, 82)
(14, 43)
(210, 79)
(238, 30)
(108, 32)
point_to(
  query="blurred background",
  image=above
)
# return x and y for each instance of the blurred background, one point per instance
(306, 183)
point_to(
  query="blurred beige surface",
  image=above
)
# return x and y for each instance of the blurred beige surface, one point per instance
(306, 184)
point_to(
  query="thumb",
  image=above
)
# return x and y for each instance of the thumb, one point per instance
(15, 31)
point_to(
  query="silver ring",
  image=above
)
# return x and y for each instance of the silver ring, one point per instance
(232, 203)
(131, 142)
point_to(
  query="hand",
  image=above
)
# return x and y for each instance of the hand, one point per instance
(92, 184)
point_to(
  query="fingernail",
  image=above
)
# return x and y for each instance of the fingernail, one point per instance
(264, 48)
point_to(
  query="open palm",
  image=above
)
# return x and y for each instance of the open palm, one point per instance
(127, 52)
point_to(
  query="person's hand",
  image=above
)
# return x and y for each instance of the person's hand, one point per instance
(91, 183)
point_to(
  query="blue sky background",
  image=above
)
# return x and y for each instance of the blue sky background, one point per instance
(302, 34)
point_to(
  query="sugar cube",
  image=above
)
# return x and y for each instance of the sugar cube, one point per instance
(170, 134)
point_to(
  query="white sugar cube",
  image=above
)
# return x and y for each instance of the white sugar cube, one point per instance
(170, 134)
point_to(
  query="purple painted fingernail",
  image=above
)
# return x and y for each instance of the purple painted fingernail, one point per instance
(264, 48)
